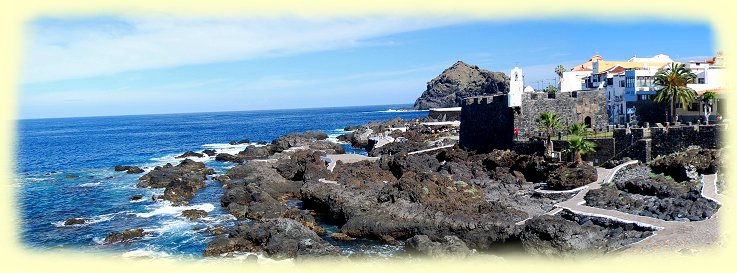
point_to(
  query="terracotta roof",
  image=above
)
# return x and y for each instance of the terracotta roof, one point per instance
(718, 91)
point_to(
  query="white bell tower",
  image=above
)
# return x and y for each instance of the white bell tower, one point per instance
(516, 86)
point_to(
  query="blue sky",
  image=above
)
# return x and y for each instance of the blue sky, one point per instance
(112, 65)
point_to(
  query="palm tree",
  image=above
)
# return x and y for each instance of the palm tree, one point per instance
(549, 121)
(559, 70)
(708, 98)
(673, 86)
(578, 146)
(578, 129)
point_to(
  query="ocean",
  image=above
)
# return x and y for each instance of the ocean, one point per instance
(64, 169)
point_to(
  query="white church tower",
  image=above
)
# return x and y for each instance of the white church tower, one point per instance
(516, 87)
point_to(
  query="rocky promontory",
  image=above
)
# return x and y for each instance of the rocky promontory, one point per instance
(459, 81)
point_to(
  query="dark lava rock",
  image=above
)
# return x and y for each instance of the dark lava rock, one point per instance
(71, 176)
(396, 148)
(74, 221)
(190, 154)
(242, 141)
(229, 158)
(136, 197)
(193, 214)
(252, 152)
(567, 234)
(258, 191)
(460, 81)
(344, 138)
(181, 182)
(680, 165)
(209, 152)
(448, 193)
(125, 236)
(280, 238)
(448, 246)
(609, 164)
(341, 237)
(128, 169)
(351, 128)
(303, 165)
(313, 139)
(571, 177)
(637, 190)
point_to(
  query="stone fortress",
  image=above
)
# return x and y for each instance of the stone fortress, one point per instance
(488, 122)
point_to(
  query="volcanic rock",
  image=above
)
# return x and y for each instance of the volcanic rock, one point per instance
(128, 169)
(74, 221)
(125, 236)
(193, 214)
(449, 245)
(460, 81)
(279, 238)
(189, 154)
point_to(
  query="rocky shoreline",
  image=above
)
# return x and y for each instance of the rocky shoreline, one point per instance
(436, 203)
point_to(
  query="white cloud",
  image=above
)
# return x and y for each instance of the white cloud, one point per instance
(61, 51)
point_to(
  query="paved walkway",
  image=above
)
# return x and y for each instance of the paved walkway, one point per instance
(670, 235)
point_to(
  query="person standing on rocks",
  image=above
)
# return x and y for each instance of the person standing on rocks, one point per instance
(516, 133)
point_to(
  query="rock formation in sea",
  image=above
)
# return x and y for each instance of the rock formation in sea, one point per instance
(459, 81)
(180, 182)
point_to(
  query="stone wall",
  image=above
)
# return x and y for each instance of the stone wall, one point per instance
(486, 124)
(573, 107)
(605, 150)
(644, 144)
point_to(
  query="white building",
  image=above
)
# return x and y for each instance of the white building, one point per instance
(516, 87)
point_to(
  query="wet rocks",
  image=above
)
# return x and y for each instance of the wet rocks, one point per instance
(303, 165)
(308, 138)
(567, 234)
(194, 214)
(181, 182)
(258, 191)
(448, 246)
(341, 237)
(74, 221)
(136, 197)
(229, 158)
(279, 238)
(128, 169)
(242, 141)
(209, 152)
(125, 236)
(190, 154)
(252, 152)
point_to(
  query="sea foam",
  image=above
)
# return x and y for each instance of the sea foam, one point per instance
(166, 208)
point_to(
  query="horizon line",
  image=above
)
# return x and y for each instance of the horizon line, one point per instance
(206, 112)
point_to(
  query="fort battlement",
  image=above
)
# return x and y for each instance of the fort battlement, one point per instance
(487, 122)
(646, 143)
(501, 98)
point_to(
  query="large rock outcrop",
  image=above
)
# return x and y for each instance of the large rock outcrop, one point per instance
(181, 182)
(460, 81)
(278, 238)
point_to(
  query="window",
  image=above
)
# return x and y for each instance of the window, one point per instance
(693, 106)
(702, 80)
(609, 81)
(621, 83)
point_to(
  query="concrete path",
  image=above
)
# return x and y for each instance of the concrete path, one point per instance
(670, 235)
(347, 158)
(431, 149)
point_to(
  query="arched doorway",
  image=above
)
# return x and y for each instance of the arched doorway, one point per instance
(587, 122)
